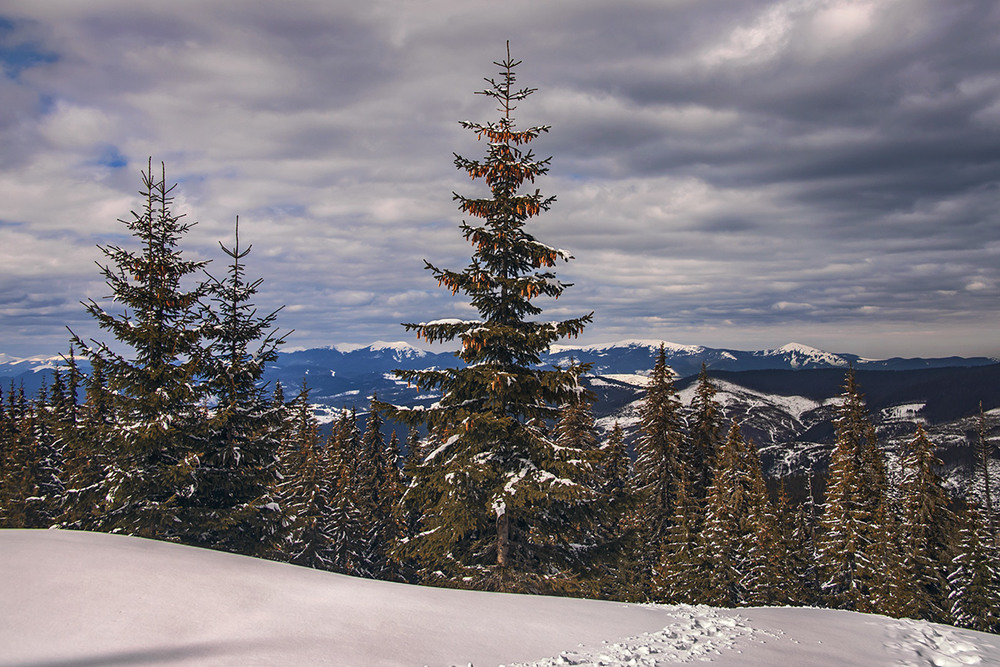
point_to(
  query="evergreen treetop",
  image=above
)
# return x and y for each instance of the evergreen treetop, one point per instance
(155, 393)
(496, 490)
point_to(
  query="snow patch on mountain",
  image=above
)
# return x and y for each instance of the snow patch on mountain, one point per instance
(34, 364)
(730, 394)
(800, 355)
(906, 412)
(631, 379)
(671, 348)
(399, 348)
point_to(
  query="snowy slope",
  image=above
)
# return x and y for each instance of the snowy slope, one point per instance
(87, 599)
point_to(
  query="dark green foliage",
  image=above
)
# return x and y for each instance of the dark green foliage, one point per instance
(376, 486)
(159, 434)
(982, 486)
(498, 500)
(926, 533)
(238, 467)
(679, 576)
(704, 436)
(738, 537)
(658, 466)
(31, 463)
(598, 469)
(87, 458)
(854, 491)
(974, 580)
(306, 494)
(796, 569)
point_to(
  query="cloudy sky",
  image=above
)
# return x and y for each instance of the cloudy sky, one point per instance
(736, 173)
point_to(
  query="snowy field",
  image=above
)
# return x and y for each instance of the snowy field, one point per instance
(71, 598)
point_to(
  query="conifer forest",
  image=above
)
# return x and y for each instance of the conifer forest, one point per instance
(503, 484)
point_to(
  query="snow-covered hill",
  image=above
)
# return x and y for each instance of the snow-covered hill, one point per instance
(73, 598)
(790, 415)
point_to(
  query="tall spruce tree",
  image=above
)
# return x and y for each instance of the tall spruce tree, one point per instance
(678, 578)
(87, 459)
(658, 465)
(31, 488)
(855, 489)
(239, 465)
(926, 529)
(704, 435)
(575, 432)
(306, 493)
(616, 577)
(737, 541)
(982, 486)
(160, 424)
(500, 500)
(375, 487)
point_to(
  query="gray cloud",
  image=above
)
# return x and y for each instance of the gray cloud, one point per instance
(729, 173)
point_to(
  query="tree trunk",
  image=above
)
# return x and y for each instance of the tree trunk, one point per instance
(503, 540)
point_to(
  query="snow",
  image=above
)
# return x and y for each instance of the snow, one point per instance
(89, 598)
(399, 347)
(803, 354)
(37, 364)
(796, 406)
(907, 412)
(674, 348)
(634, 379)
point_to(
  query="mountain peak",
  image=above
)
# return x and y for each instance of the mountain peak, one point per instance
(399, 349)
(800, 355)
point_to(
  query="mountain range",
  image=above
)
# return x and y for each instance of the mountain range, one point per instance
(784, 398)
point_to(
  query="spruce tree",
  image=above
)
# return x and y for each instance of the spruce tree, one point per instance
(926, 529)
(705, 435)
(983, 487)
(306, 493)
(794, 567)
(719, 540)
(658, 465)
(974, 578)
(375, 487)
(738, 538)
(615, 474)
(763, 578)
(159, 430)
(679, 576)
(496, 494)
(853, 493)
(575, 435)
(239, 466)
(349, 521)
(616, 465)
(87, 459)
(32, 488)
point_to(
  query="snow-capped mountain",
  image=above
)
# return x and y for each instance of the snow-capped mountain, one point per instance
(789, 415)
(803, 356)
(637, 356)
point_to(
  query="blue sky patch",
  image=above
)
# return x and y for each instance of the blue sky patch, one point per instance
(111, 157)
(18, 53)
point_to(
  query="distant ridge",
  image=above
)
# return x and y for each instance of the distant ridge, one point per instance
(351, 364)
